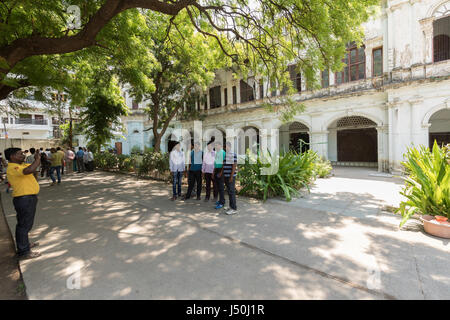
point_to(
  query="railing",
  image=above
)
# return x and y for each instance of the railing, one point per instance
(39, 122)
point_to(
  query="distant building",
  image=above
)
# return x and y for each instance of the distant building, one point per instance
(32, 127)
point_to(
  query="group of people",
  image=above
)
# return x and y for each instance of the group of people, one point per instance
(22, 174)
(217, 166)
(57, 160)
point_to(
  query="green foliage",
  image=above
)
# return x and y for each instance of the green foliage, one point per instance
(136, 150)
(101, 115)
(182, 47)
(322, 167)
(144, 165)
(76, 129)
(427, 188)
(294, 171)
(106, 160)
(154, 161)
(125, 163)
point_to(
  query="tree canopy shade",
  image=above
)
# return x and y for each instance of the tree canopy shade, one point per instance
(260, 35)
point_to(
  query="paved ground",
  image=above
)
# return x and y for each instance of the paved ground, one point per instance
(355, 192)
(123, 239)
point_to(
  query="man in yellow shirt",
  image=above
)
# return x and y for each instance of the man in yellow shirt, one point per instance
(59, 150)
(25, 191)
(57, 163)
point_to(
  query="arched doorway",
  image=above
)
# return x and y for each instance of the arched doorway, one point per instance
(247, 139)
(353, 140)
(294, 136)
(214, 134)
(439, 130)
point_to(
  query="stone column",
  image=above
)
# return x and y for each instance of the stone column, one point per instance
(332, 78)
(383, 150)
(269, 140)
(427, 30)
(238, 91)
(319, 143)
(419, 133)
(332, 145)
(368, 52)
(391, 135)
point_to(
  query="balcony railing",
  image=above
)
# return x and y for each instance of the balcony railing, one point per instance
(39, 122)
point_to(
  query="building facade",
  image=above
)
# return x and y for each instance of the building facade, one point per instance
(33, 126)
(393, 93)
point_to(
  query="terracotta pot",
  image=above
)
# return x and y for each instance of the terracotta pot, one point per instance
(441, 218)
(433, 227)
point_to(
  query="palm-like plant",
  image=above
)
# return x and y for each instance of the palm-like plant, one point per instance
(427, 188)
(277, 175)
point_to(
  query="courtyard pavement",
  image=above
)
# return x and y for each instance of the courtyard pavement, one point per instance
(123, 239)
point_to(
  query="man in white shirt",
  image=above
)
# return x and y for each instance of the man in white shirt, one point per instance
(177, 164)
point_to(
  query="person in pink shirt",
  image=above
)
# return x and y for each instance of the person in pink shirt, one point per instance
(208, 169)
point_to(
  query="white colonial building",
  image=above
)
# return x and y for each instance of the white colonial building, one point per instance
(33, 126)
(393, 93)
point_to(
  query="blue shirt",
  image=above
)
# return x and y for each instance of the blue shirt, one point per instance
(80, 154)
(196, 160)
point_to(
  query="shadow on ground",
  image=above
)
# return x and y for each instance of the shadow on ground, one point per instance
(126, 240)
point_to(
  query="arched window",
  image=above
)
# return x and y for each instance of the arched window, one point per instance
(441, 33)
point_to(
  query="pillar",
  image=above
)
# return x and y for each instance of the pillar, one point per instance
(319, 143)
(383, 148)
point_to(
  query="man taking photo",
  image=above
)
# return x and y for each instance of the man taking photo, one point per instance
(25, 191)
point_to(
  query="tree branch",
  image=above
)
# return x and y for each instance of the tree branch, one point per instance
(5, 90)
(23, 48)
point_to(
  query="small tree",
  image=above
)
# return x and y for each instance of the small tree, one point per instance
(101, 115)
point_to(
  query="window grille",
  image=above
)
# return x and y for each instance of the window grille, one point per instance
(298, 126)
(355, 121)
(441, 38)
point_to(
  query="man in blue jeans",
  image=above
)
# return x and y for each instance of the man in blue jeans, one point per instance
(25, 191)
(57, 163)
(229, 175)
(177, 163)
(195, 172)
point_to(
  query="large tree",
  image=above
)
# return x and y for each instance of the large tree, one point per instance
(184, 66)
(261, 34)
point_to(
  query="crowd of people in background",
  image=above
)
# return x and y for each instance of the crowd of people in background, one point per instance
(22, 171)
(55, 162)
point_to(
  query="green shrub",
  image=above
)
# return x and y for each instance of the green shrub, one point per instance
(427, 188)
(294, 171)
(322, 167)
(136, 150)
(106, 160)
(153, 161)
(125, 162)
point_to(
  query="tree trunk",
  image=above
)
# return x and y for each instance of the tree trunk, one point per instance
(70, 134)
(157, 147)
(70, 128)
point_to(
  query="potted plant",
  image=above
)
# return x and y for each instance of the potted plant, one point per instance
(427, 189)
